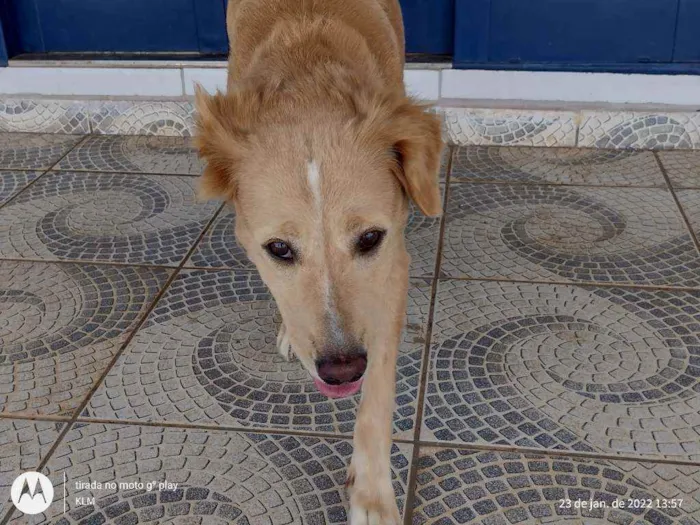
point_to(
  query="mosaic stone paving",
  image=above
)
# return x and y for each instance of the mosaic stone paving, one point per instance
(207, 355)
(682, 167)
(609, 371)
(149, 117)
(219, 248)
(60, 325)
(500, 488)
(632, 130)
(508, 127)
(223, 477)
(19, 151)
(555, 233)
(146, 219)
(169, 155)
(44, 116)
(23, 444)
(564, 367)
(12, 182)
(558, 165)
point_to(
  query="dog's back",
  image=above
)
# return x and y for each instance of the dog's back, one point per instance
(291, 33)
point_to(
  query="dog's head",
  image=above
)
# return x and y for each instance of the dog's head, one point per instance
(321, 204)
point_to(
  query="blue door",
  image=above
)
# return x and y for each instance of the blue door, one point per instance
(117, 26)
(192, 27)
(582, 35)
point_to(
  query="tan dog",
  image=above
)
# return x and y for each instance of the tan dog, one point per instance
(319, 149)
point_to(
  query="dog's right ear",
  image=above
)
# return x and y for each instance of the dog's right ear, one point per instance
(223, 126)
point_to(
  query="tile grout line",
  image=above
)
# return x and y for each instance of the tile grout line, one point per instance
(681, 209)
(501, 182)
(43, 173)
(486, 447)
(581, 284)
(81, 407)
(121, 264)
(492, 447)
(85, 262)
(425, 365)
(122, 172)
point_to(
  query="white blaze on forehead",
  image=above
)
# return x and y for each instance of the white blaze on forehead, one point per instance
(314, 178)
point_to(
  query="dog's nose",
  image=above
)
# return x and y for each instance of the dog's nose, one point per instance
(342, 368)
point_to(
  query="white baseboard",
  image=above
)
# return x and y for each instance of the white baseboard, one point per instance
(430, 83)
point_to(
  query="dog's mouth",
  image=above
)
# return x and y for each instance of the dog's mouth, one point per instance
(337, 391)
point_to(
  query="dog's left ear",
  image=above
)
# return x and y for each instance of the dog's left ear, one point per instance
(416, 142)
(224, 122)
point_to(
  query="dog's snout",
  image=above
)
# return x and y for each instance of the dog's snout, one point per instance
(341, 368)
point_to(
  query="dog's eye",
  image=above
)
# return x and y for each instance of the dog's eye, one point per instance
(280, 250)
(369, 240)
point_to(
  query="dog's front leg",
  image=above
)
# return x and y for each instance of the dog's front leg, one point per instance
(372, 500)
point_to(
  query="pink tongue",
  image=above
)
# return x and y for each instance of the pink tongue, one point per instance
(334, 391)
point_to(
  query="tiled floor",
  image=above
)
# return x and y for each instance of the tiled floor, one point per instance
(562, 365)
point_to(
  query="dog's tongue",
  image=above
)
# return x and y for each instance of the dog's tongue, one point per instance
(335, 391)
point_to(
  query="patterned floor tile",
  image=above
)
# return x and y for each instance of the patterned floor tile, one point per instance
(501, 488)
(141, 154)
(222, 477)
(557, 165)
(682, 167)
(690, 202)
(23, 445)
(219, 248)
(445, 161)
(129, 117)
(44, 116)
(566, 367)
(60, 325)
(207, 355)
(147, 219)
(12, 182)
(619, 235)
(23, 151)
(634, 130)
(508, 127)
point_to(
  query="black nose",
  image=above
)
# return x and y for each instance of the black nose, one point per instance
(341, 368)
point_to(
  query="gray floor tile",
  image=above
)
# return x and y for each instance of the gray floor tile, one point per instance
(24, 151)
(682, 167)
(207, 355)
(444, 161)
(219, 248)
(12, 182)
(141, 154)
(502, 488)
(223, 477)
(557, 166)
(23, 445)
(60, 325)
(690, 202)
(147, 219)
(533, 232)
(566, 367)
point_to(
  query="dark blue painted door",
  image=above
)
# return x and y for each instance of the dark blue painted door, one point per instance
(429, 26)
(625, 35)
(38, 26)
(194, 26)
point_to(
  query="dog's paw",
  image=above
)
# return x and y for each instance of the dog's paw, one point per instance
(284, 347)
(372, 503)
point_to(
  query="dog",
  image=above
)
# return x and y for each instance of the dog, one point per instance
(319, 149)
